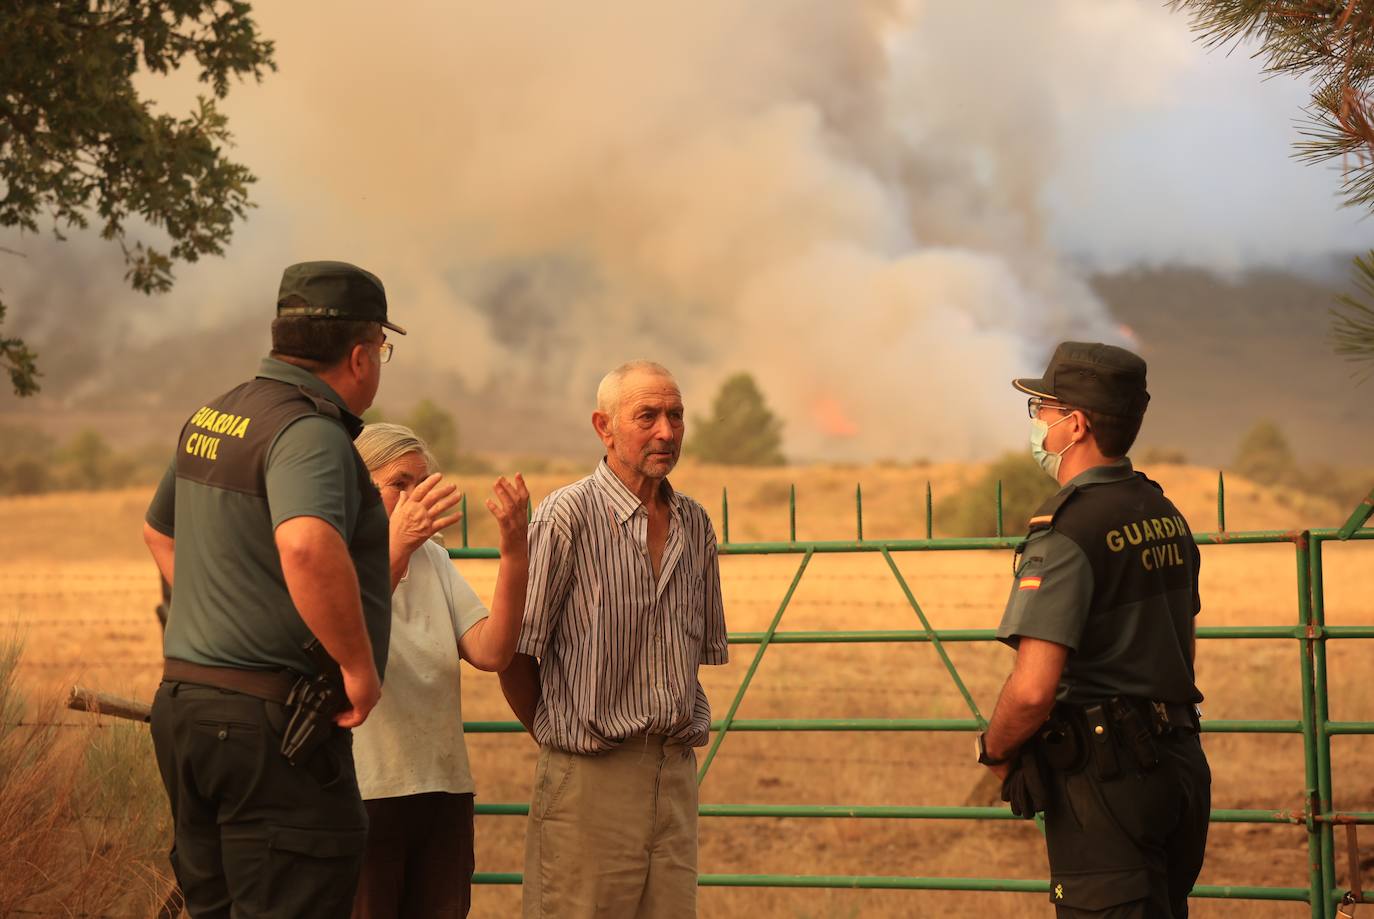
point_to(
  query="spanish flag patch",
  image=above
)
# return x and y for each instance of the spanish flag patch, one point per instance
(1031, 583)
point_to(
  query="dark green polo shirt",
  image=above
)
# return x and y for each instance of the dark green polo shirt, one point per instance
(1110, 573)
(230, 605)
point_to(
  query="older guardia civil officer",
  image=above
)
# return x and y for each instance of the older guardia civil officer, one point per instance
(270, 532)
(623, 606)
(411, 757)
(1097, 725)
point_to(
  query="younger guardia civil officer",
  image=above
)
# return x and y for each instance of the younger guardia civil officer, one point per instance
(623, 606)
(271, 533)
(1097, 725)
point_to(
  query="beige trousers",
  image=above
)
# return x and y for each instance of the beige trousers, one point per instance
(613, 835)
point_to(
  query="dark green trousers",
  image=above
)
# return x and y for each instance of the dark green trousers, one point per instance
(255, 836)
(1129, 847)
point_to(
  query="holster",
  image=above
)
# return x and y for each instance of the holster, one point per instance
(1138, 733)
(311, 706)
(1061, 742)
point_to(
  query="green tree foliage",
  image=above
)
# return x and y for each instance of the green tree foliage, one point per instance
(1330, 43)
(439, 430)
(741, 430)
(1265, 457)
(436, 428)
(1353, 328)
(26, 461)
(973, 511)
(33, 463)
(25, 476)
(88, 463)
(78, 142)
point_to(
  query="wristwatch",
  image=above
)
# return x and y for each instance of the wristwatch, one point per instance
(983, 757)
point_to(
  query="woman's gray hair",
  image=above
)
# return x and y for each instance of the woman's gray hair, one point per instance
(383, 443)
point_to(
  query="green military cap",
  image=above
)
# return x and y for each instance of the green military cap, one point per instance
(333, 290)
(1093, 376)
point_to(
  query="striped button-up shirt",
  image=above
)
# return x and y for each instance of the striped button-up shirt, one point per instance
(618, 649)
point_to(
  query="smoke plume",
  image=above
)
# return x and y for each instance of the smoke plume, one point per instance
(843, 198)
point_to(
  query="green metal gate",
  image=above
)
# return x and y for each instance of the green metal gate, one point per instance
(1309, 634)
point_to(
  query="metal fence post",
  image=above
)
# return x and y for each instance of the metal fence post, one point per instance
(859, 511)
(1311, 806)
(792, 513)
(1321, 715)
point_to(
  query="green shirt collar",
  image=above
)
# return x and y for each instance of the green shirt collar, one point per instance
(1115, 471)
(273, 369)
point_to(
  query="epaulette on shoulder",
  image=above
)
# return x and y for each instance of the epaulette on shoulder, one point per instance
(1151, 482)
(322, 405)
(351, 422)
(1043, 517)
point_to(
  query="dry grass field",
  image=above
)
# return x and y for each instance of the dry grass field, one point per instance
(75, 580)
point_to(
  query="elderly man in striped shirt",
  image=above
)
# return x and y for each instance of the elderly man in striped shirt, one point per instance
(623, 606)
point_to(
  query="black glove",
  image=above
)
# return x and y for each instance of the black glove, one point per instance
(1024, 786)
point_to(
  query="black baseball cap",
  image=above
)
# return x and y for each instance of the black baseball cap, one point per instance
(333, 290)
(1091, 375)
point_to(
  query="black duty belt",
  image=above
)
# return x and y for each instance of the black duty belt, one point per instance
(270, 685)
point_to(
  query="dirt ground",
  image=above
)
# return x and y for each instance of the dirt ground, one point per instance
(76, 583)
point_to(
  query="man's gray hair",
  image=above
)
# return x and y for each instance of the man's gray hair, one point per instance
(382, 443)
(608, 393)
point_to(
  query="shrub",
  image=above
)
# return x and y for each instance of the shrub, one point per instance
(32, 463)
(436, 428)
(741, 430)
(1265, 457)
(973, 511)
(88, 463)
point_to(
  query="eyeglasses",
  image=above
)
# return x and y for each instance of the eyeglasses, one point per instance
(384, 351)
(1035, 403)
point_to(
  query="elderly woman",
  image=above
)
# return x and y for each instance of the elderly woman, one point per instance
(411, 759)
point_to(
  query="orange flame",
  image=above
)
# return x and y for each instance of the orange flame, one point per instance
(830, 416)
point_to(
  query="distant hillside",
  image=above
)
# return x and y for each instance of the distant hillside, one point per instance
(1225, 353)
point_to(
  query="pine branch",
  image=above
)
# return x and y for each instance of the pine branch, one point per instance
(1331, 43)
(1352, 329)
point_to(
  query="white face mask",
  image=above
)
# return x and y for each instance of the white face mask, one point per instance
(1048, 461)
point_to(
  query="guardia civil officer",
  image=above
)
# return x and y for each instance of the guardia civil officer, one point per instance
(1097, 725)
(272, 534)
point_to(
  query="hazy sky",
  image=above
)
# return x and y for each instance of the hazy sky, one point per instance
(1203, 175)
(854, 200)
